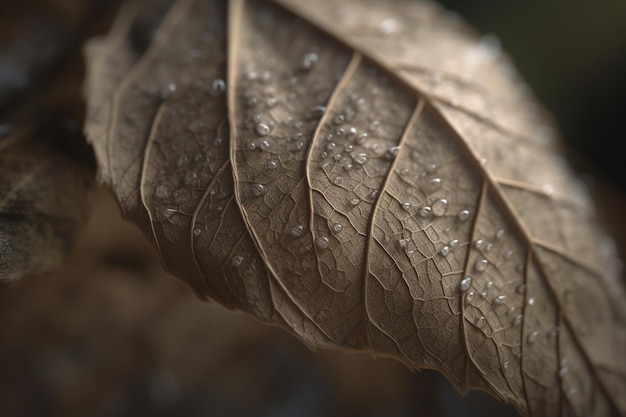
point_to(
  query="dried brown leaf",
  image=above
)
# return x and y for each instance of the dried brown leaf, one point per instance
(370, 176)
(43, 203)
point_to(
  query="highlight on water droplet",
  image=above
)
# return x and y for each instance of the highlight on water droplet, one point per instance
(258, 190)
(263, 129)
(481, 265)
(532, 337)
(466, 283)
(439, 207)
(309, 60)
(297, 231)
(499, 299)
(464, 215)
(425, 211)
(322, 242)
(435, 184)
(237, 261)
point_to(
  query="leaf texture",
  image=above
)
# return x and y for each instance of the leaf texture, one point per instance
(44, 202)
(368, 175)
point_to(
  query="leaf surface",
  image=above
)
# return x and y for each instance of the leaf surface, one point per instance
(44, 198)
(369, 176)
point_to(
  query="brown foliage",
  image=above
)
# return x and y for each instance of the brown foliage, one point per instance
(369, 176)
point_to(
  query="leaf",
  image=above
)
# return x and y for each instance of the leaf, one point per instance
(369, 176)
(43, 201)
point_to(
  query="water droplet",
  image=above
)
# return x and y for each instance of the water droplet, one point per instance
(500, 234)
(499, 299)
(162, 191)
(469, 297)
(252, 101)
(348, 148)
(337, 157)
(348, 167)
(445, 251)
(388, 26)
(218, 86)
(480, 322)
(258, 190)
(297, 231)
(531, 301)
(361, 138)
(331, 146)
(518, 319)
(392, 152)
(481, 265)
(489, 247)
(431, 168)
(262, 129)
(309, 60)
(237, 261)
(360, 159)
(339, 119)
(338, 227)
(272, 164)
(318, 111)
(505, 364)
(355, 201)
(264, 145)
(406, 205)
(439, 207)
(352, 132)
(322, 242)
(374, 194)
(479, 243)
(338, 180)
(532, 337)
(425, 211)
(454, 243)
(464, 215)
(435, 183)
(271, 102)
(197, 231)
(466, 283)
(508, 254)
(168, 91)
(373, 126)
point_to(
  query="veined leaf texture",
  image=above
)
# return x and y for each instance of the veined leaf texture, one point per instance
(369, 175)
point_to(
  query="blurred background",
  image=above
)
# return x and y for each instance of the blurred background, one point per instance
(110, 334)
